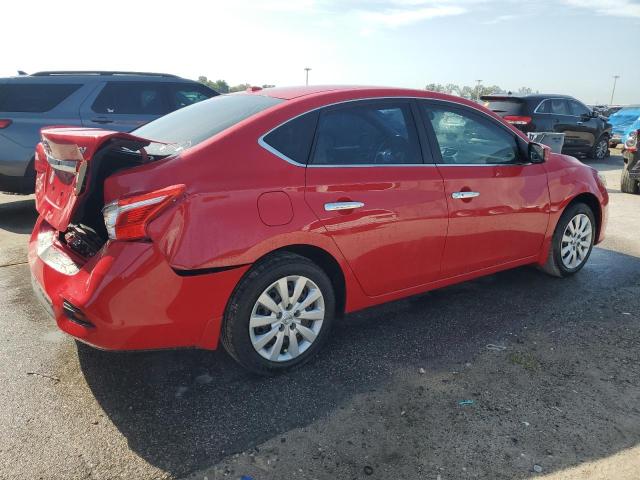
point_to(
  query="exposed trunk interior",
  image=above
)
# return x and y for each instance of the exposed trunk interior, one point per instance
(86, 233)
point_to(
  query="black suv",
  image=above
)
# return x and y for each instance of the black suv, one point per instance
(585, 131)
(115, 100)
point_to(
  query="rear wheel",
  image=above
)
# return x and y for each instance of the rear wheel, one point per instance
(601, 148)
(628, 184)
(280, 314)
(572, 241)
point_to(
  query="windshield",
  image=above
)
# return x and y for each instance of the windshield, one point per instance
(191, 125)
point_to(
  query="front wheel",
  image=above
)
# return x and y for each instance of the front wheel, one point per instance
(280, 314)
(572, 241)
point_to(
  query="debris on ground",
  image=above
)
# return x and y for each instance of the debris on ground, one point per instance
(44, 375)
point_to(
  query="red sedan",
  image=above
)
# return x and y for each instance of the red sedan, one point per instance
(260, 217)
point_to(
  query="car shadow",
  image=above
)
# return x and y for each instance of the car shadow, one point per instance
(612, 162)
(186, 410)
(18, 216)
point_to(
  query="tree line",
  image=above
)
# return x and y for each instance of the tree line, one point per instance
(473, 93)
(221, 86)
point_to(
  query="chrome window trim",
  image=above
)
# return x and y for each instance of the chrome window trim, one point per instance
(561, 114)
(270, 149)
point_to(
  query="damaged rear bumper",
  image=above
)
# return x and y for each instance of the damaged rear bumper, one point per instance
(127, 297)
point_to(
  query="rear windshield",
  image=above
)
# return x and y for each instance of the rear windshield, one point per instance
(506, 107)
(33, 97)
(193, 124)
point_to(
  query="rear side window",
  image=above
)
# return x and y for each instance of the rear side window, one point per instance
(185, 94)
(556, 106)
(131, 98)
(294, 138)
(367, 134)
(193, 124)
(507, 107)
(33, 97)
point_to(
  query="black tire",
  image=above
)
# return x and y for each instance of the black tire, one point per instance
(554, 265)
(628, 184)
(600, 149)
(235, 329)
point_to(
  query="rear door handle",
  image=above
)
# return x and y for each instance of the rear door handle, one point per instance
(462, 195)
(332, 207)
(101, 120)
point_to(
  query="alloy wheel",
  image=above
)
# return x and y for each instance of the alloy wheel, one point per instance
(601, 149)
(576, 241)
(287, 318)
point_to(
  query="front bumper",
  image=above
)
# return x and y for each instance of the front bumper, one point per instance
(127, 297)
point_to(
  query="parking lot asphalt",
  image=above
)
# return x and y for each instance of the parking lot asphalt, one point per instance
(516, 375)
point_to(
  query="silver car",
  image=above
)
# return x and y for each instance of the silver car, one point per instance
(113, 100)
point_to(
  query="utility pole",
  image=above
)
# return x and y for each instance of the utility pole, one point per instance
(306, 69)
(615, 80)
(478, 89)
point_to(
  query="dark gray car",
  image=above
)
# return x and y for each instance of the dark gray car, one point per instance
(114, 100)
(585, 131)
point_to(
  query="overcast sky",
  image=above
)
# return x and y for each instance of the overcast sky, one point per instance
(555, 46)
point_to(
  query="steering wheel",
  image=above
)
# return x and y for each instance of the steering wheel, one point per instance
(393, 149)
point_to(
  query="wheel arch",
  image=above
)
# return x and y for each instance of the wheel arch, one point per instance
(326, 261)
(593, 203)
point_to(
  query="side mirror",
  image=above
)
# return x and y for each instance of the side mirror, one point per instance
(594, 114)
(537, 153)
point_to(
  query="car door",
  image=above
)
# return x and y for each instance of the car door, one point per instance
(586, 125)
(557, 117)
(124, 106)
(382, 205)
(498, 202)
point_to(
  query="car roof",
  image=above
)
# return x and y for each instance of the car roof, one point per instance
(64, 76)
(357, 91)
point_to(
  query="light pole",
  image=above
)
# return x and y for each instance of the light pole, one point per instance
(478, 89)
(615, 80)
(306, 69)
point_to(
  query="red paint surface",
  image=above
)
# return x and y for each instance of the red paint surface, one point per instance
(410, 236)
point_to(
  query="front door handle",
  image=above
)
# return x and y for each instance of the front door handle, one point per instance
(462, 195)
(332, 207)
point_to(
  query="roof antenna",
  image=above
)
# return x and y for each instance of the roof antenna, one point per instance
(22, 72)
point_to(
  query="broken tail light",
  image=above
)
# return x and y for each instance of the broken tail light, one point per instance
(127, 218)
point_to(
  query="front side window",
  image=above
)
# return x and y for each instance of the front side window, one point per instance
(182, 95)
(468, 139)
(367, 134)
(131, 98)
(578, 109)
(34, 98)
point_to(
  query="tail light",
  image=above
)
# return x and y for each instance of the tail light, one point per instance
(517, 119)
(127, 218)
(632, 141)
(4, 123)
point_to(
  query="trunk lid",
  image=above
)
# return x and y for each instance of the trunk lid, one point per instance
(63, 168)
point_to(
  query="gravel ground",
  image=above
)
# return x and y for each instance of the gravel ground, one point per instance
(512, 376)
